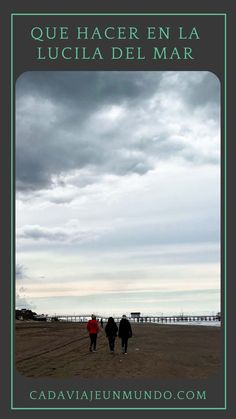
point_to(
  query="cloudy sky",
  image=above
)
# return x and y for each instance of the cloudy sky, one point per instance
(118, 192)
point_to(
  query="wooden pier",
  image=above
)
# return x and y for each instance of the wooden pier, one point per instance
(82, 318)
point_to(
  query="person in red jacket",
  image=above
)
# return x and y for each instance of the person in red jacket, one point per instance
(92, 327)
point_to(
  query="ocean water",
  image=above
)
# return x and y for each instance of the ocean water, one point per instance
(184, 323)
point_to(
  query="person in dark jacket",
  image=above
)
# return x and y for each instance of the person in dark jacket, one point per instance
(125, 332)
(111, 330)
(92, 327)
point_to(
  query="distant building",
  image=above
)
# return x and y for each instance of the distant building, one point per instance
(135, 314)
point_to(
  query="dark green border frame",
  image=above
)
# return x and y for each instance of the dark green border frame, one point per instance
(224, 133)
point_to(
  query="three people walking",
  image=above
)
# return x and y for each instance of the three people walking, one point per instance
(111, 329)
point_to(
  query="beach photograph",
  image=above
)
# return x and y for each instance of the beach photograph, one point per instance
(117, 224)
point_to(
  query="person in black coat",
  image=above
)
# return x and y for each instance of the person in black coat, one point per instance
(111, 330)
(125, 332)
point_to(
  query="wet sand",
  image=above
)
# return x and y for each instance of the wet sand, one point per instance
(60, 350)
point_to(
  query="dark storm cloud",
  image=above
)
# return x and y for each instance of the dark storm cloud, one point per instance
(60, 234)
(57, 129)
(205, 93)
(37, 233)
(89, 89)
(199, 89)
(44, 149)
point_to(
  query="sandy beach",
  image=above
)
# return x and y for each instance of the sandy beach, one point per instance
(60, 350)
